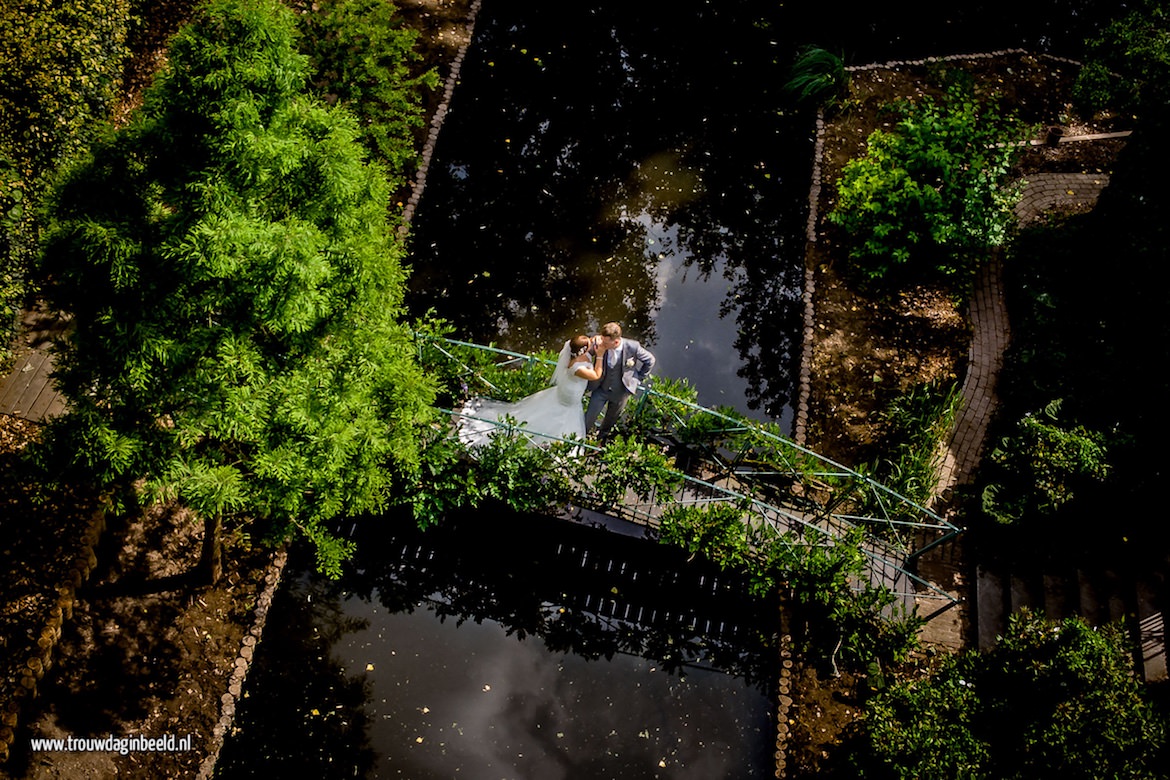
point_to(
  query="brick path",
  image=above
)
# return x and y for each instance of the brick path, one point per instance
(989, 324)
(990, 335)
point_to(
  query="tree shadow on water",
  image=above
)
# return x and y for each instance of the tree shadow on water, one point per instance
(302, 716)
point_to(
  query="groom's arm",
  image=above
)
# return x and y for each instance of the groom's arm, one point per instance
(646, 358)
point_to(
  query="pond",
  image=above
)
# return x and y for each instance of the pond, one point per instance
(639, 162)
(511, 646)
(603, 162)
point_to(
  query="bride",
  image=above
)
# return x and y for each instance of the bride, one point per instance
(549, 414)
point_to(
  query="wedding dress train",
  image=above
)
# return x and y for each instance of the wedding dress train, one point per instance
(550, 414)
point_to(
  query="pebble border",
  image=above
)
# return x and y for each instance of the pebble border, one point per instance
(420, 175)
(84, 561)
(243, 662)
(275, 569)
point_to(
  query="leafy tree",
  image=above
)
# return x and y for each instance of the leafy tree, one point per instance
(364, 59)
(929, 196)
(235, 288)
(1049, 701)
(1042, 467)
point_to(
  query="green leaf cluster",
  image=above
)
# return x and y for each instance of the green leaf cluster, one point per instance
(835, 612)
(817, 78)
(236, 289)
(929, 198)
(1051, 700)
(914, 426)
(60, 75)
(1042, 466)
(364, 58)
(1127, 66)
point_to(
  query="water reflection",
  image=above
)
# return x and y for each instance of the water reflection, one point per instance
(546, 650)
(625, 163)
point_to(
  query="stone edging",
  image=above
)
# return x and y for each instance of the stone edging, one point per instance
(242, 663)
(41, 660)
(420, 176)
(783, 703)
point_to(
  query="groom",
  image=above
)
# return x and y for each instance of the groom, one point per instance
(627, 364)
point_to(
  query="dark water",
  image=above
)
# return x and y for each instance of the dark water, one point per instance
(535, 649)
(623, 162)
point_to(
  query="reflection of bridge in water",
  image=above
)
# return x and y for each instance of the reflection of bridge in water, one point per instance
(593, 594)
(783, 490)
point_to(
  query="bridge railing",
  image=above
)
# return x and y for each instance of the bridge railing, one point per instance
(721, 456)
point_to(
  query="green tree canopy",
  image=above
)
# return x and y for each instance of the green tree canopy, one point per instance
(235, 289)
(60, 72)
(1049, 701)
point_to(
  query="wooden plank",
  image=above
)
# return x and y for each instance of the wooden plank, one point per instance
(1055, 597)
(48, 391)
(16, 384)
(1090, 603)
(29, 392)
(1151, 631)
(1022, 593)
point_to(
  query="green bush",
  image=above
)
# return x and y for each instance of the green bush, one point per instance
(818, 78)
(60, 76)
(364, 59)
(716, 531)
(914, 426)
(1042, 466)
(928, 199)
(1128, 64)
(1049, 701)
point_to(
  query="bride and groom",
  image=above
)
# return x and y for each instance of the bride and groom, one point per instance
(607, 366)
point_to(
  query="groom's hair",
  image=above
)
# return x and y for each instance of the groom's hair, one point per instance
(611, 330)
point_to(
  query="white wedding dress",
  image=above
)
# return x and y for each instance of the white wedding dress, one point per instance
(550, 414)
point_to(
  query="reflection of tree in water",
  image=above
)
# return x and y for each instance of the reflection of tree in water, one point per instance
(562, 153)
(303, 716)
(526, 573)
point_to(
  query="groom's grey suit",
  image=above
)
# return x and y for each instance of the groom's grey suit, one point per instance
(623, 371)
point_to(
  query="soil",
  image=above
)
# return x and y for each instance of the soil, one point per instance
(137, 647)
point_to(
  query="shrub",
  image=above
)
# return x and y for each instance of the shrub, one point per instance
(1128, 64)
(364, 59)
(60, 74)
(1042, 466)
(1050, 700)
(928, 198)
(818, 78)
(914, 426)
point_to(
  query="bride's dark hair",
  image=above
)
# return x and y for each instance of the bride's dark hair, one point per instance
(578, 345)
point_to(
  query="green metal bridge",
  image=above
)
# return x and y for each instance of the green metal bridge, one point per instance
(784, 490)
